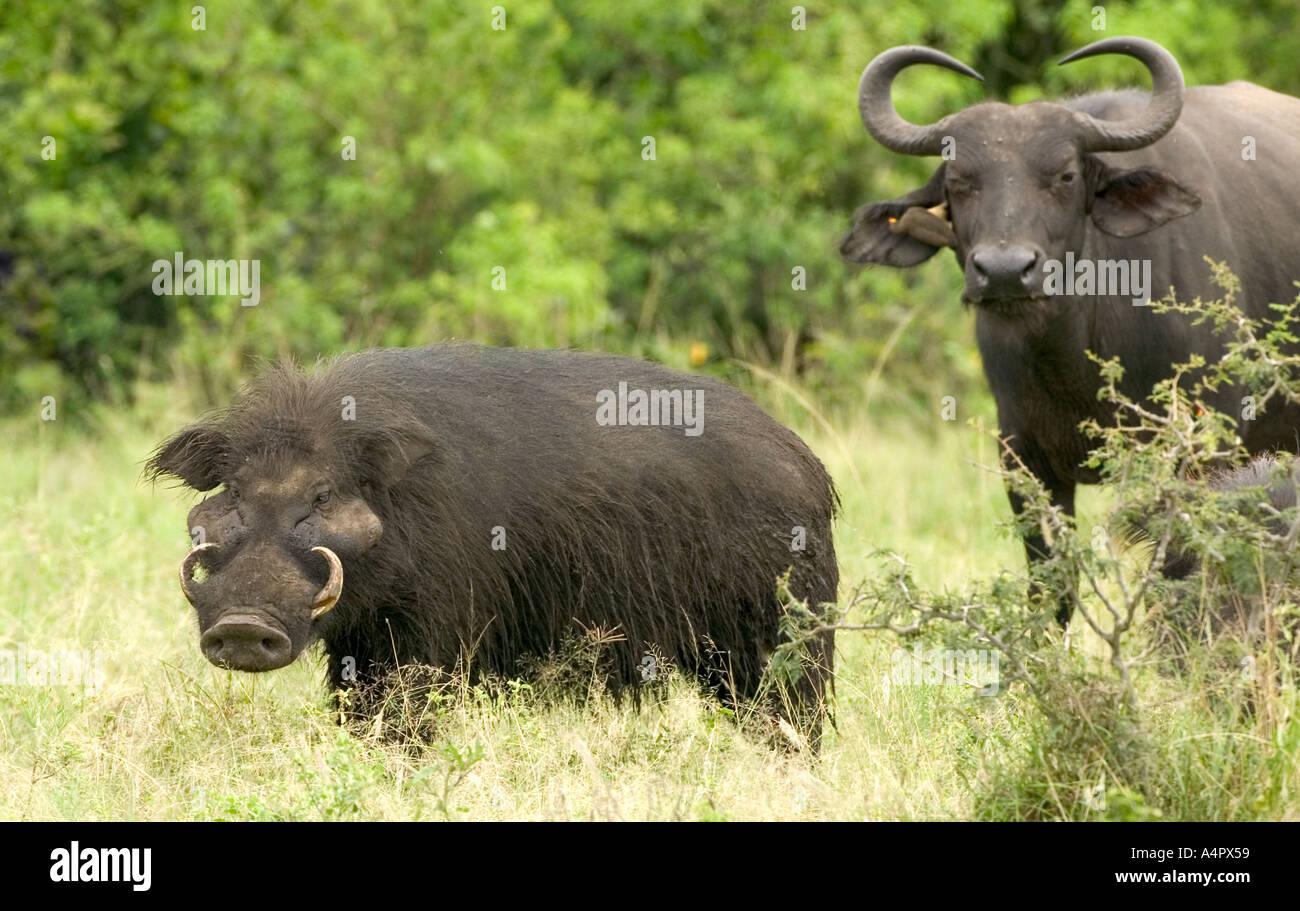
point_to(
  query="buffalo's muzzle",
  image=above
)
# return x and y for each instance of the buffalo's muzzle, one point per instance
(245, 643)
(1004, 271)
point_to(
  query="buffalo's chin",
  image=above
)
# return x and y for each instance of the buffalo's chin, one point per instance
(1006, 305)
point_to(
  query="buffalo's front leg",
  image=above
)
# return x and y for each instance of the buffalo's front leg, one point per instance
(1037, 550)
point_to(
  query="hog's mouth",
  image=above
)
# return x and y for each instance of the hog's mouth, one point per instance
(252, 639)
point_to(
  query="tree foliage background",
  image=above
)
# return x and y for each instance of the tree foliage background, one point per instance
(519, 148)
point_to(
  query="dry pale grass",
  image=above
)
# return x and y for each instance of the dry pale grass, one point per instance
(87, 559)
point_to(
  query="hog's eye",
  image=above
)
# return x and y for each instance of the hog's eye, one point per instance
(1067, 177)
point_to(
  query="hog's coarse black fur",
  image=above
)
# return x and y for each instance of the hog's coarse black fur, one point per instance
(674, 541)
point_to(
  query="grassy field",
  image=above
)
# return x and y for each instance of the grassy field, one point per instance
(88, 557)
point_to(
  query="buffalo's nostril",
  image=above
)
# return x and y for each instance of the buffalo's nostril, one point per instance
(1010, 271)
(246, 644)
(1030, 259)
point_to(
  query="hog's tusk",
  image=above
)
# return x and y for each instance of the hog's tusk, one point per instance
(187, 569)
(328, 596)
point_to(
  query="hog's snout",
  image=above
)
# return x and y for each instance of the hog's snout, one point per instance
(245, 643)
(256, 608)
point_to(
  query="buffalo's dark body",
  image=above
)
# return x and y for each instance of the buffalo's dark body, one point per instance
(1165, 178)
(1260, 473)
(1234, 609)
(671, 541)
(1034, 352)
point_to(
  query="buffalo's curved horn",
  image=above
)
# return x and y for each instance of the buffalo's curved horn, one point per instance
(877, 109)
(1160, 114)
(328, 596)
(187, 569)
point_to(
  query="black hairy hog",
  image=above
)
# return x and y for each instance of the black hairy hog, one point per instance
(472, 507)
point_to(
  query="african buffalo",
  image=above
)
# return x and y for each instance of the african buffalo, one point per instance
(1150, 183)
(467, 507)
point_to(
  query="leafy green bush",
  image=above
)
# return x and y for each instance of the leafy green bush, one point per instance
(521, 149)
(1138, 638)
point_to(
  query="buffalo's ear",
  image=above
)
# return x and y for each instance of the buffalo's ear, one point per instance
(198, 455)
(871, 240)
(1128, 203)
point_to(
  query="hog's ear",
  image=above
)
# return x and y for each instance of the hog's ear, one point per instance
(353, 523)
(873, 237)
(1128, 203)
(197, 455)
(386, 458)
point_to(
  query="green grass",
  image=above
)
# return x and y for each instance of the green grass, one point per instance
(88, 558)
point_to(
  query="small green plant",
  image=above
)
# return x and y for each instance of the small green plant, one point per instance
(447, 774)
